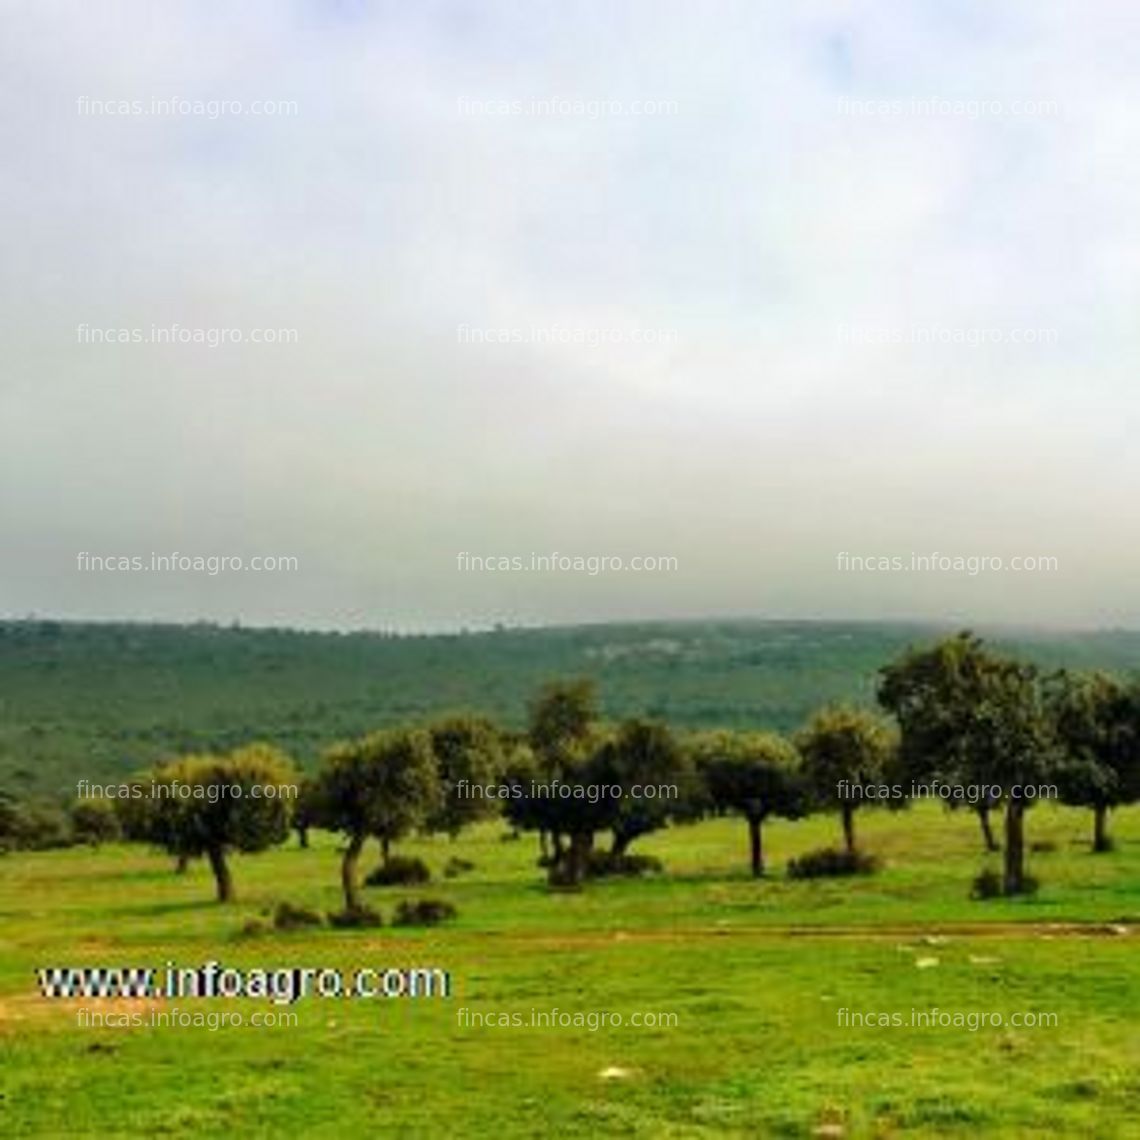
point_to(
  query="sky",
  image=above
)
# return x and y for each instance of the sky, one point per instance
(744, 287)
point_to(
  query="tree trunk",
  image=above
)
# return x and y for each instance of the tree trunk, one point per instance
(577, 856)
(222, 875)
(987, 828)
(182, 865)
(385, 845)
(303, 835)
(622, 840)
(756, 846)
(849, 827)
(1101, 842)
(348, 866)
(1014, 880)
(543, 844)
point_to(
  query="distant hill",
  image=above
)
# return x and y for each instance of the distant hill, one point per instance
(99, 700)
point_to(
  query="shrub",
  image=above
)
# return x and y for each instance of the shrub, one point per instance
(400, 870)
(254, 928)
(290, 917)
(990, 885)
(455, 867)
(94, 822)
(602, 864)
(360, 916)
(831, 862)
(423, 912)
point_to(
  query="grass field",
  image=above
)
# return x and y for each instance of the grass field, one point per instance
(753, 976)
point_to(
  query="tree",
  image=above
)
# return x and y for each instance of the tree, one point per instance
(304, 810)
(756, 774)
(382, 785)
(1097, 719)
(979, 718)
(935, 693)
(569, 804)
(846, 751)
(212, 805)
(562, 722)
(643, 757)
(469, 755)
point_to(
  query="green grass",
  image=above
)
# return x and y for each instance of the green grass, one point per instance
(755, 974)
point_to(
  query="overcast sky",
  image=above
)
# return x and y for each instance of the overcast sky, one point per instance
(788, 260)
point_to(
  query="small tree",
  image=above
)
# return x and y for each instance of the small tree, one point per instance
(1098, 726)
(643, 756)
(383, 784)
(469, 754)
(211, 805)
(94, 821)
(980, 719)
(562, 729)
(845, 750)
(757, 775)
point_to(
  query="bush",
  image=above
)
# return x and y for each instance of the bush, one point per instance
(290, 917)
(361, 916)
(990, 885)
(455, 867)
(831, 862)
(423, 912)
(94, 822)
(399, 871)
(254, 928)
(602, 864)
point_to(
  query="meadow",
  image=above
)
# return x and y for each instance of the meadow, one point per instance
(748, 981)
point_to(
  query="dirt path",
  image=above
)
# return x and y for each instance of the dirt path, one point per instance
(894, 932)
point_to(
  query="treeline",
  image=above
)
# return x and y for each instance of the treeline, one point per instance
(956, 714)
(109, 699)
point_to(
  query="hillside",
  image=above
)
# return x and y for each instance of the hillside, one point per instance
(98, 700)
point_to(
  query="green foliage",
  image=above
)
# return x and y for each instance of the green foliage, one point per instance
(33, 825)
(605, 864)
(423, 912)
(382, 785)
(844, 750)
(468, 751)
(756, 774)
(973, 716)
(94, 821)
(286, 916)
(1097, 719)
(990, 884)
(400, 870)
(211, 805)
(832, 862)
(106, 700)
(354, 918)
